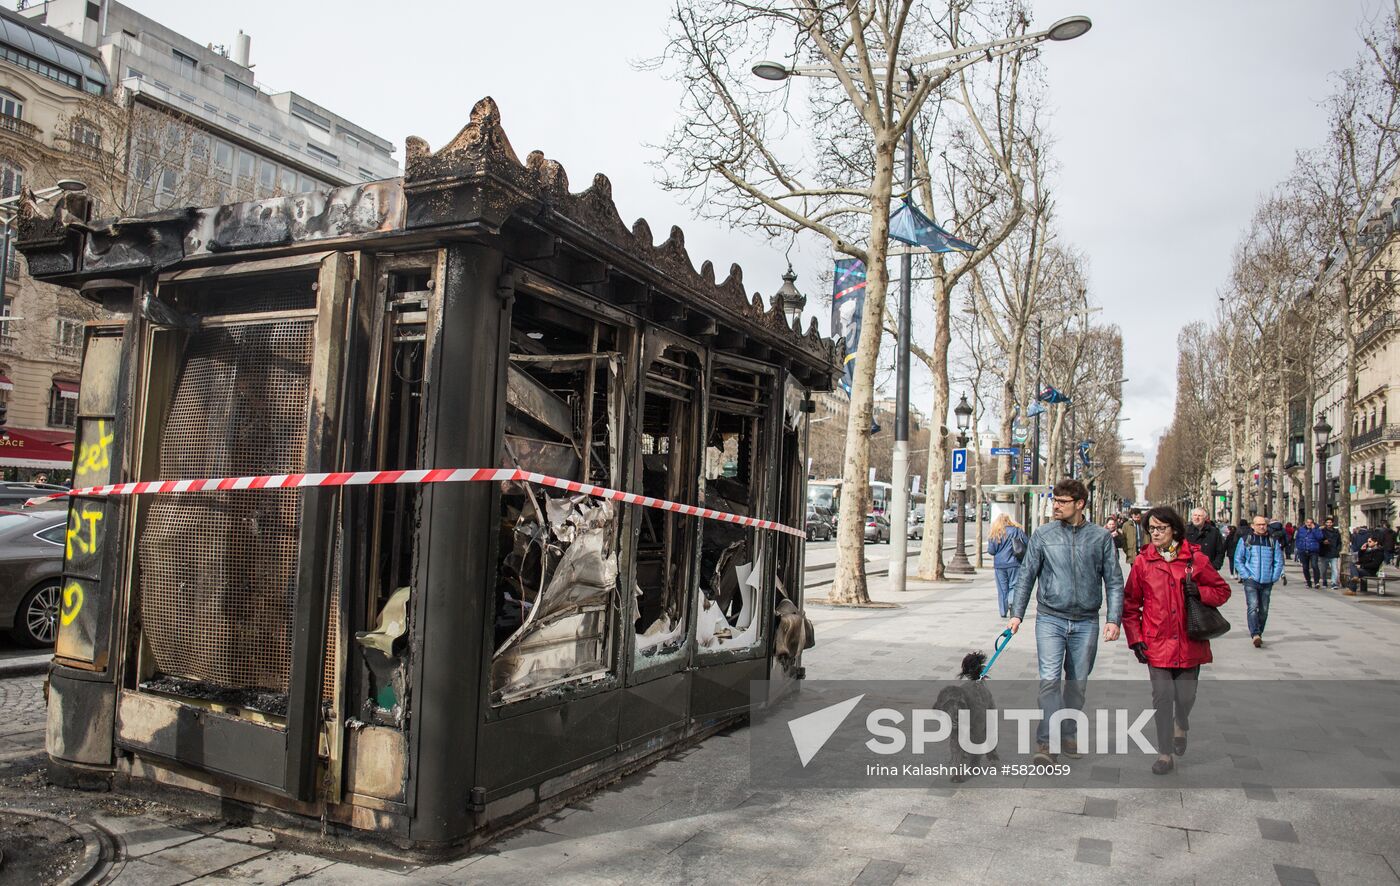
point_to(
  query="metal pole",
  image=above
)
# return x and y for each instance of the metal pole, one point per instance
(899, 518)
(1322, 483)
(959, 565)
(1035, 450)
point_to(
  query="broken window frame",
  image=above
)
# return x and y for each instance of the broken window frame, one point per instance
(646, 665)
(763, 490)
(611, 352)
(285, 747)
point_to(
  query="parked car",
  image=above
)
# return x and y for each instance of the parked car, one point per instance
(31, 561)
(877, 528)
(916, 529)
(12, 493)
(950, 515)
(819, 528)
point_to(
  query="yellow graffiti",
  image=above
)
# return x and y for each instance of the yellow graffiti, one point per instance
(72, 603)
(96, 457)
(75, 532)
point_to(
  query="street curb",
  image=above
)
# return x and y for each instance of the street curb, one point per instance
(25, 667)
(99, 850)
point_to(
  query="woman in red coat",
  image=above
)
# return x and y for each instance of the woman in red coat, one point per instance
(1154, 620)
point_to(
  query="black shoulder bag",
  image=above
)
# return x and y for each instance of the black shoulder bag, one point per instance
(1203, 621)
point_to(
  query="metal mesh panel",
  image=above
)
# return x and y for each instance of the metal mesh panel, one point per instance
(218, 570)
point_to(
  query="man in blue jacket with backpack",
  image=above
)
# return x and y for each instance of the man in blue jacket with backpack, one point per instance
(1258, 563)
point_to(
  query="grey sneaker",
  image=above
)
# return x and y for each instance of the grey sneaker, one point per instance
(1043, 757)
(1070, 749)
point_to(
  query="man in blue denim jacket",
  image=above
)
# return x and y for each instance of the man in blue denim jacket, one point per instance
(1259, 563)
(1074, 564)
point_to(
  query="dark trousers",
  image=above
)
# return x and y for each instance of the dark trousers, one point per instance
(1173, 695)
(1312, 574)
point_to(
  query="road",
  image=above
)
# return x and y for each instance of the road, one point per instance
(821, 555)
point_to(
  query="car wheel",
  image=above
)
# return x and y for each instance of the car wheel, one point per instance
(36, 623)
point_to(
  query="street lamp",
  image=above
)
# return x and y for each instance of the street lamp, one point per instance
(957, 58)
(1266, 478)
(1321, 431)
(790, 300)
(959, 564)
(1239, 491)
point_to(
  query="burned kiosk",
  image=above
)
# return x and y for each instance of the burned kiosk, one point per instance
(426, 661)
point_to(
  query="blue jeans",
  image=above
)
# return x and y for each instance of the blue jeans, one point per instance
(1006, 584)
(1065, 650)
(1256, 602)
(1329, 571)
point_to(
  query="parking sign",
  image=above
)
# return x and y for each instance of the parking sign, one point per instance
(959, 469)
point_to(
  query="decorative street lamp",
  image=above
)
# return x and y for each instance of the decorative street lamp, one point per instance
(1266, 477)
(1239, 492)
(960, 564)
(790, 300)
(1321, 431)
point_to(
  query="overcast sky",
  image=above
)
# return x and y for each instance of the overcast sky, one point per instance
(1170, 119)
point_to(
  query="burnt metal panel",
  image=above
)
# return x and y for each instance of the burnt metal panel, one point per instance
(80, 719)
(720, 691)
(654, 707)
(516, 752)
(457, 541)
(202, 738)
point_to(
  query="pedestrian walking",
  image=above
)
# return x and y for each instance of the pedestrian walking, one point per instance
(1007, 546)
(1114, 532)
(1154, 621)
(1329, 551)
(1388, 538)
(1133, 535)
(1204, 535)
(1072, 566)
(1232, 542)
(1290, 532)
(1307, 542)
(1259, 563)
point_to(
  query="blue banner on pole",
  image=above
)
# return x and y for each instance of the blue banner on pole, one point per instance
(847, 305)
(909, 225)
(1050, 395)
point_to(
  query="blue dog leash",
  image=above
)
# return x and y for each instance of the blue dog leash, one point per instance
(1002, 639)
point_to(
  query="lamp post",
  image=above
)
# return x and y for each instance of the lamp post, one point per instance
(959, 564)
(1239, 492)
(1321, 431)
(790, 300)
(1266, 477)
(956, 59)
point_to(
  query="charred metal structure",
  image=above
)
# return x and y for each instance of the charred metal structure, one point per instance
(429, 663)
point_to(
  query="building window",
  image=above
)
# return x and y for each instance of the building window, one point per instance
(133, 74)
(323, 155)
(245, 170)
(350, 139)
(63, 404)
(185, 64)
(237, 88)
(320, 121)
(86, 139)
(287, 180)
(68, 337)
(11, 178)
(11, 105)
(267, 176)
(7, 335)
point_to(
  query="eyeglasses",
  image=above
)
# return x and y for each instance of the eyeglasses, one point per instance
(1064, 501)
(1157, 529)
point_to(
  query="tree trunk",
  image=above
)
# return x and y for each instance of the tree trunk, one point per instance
(1348, 415)
(931, 554)
(849, 585)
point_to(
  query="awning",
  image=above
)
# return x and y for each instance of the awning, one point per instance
(5, 383)
(68, 390)
(36, 448)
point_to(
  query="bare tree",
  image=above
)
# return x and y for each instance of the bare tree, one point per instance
(740, 157)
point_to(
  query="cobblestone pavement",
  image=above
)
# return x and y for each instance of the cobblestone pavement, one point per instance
(694, 818)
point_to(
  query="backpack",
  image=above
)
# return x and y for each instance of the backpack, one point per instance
(1018, 546)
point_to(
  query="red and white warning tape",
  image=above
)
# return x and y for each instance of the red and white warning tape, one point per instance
(440, 475)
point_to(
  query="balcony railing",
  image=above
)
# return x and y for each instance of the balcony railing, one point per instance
(12, 268)
(9, 342)
(1384, 320)
(68, 352)
(19, 127)
(1377, 434)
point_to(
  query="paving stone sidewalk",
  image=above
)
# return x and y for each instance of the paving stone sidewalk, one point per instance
(694, 818)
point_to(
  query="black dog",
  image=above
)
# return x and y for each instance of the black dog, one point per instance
(972, 695)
